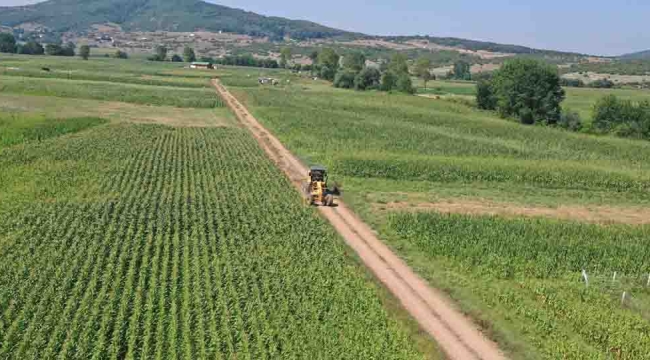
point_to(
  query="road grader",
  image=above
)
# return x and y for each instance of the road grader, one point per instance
(317, 190)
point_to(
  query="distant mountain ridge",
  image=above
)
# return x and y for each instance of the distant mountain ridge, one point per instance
(191, 15)
(163, 15)
(641, 55)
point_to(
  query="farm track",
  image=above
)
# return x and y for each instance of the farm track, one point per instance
(458, 337)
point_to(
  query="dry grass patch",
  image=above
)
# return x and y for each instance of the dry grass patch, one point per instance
(117, 111)
(587, 214)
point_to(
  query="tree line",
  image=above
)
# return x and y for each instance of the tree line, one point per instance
(531, 91)
(8, 44)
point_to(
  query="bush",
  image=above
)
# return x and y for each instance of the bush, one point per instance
(602, 84)
(119, 54)
(7, 43)
(570, 120)
(32, 48)
(485, 98)
(368, 78)
(345, 79)
(622, 117)
(327, 73)
(388, 81)
(58, 50)
(177, 58)
(404, 84)
(572, 82)
(526, 116)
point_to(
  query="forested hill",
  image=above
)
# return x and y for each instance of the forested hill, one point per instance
(59, 16)
(164, 15)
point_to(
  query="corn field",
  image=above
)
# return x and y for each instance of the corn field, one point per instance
(191, 246)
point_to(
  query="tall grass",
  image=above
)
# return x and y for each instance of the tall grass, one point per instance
(21, 128)
(139, 94)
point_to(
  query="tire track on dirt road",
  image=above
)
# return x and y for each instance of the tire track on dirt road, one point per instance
(455, 333)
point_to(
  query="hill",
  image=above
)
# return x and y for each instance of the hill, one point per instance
(55, 17)
(641, 55)
(155, 15)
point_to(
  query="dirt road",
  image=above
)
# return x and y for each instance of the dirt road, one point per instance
(455, 334)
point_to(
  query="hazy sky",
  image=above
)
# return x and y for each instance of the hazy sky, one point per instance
(602, 27)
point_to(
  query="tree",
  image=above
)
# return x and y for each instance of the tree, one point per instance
(622, 117)
(7, 43)
(485, 98)
(314, 57)
(327, 73)
(607, 113)
(32, 48)
(423, 70)
(189, 55)
(119, 54)
(285, 56)
(314, 60)
(177, 58)
(58, 50)
(398, 64)
(462, 70)
(69, 49)
(160, 55)
(345, 79)
(84, 52)
(388, 81)
(404, 84)
(354, 61)
(53, 50)
(528, 89)
(368, 78)
(328, 59)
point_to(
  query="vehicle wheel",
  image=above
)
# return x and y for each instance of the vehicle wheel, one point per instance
(329, 200)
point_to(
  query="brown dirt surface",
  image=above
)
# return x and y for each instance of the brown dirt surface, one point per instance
(593, 214)
(116, 111)
(456, 335)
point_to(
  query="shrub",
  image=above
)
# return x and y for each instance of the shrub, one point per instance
(119, 54)
(622, 117)
(368, 78)
(602, 84)
(388, 81)
(572, 82)
(32, 48)
(485, 98)
(345, 79)
(404, 84)
(570, 120)
(7, 43)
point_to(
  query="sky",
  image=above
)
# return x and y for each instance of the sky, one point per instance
(598, 27)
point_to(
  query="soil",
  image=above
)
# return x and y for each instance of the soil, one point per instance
(595, 214)
(456, 335)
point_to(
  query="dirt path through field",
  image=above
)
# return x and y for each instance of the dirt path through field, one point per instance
(454, 333)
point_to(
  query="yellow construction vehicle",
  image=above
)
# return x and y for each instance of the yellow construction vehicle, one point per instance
(317, 190)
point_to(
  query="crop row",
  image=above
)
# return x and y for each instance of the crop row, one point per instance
(395, 124)
(135, 79)
(97, 90)
(541, 174)
(18, 128)
(530, 270)
(193, 253)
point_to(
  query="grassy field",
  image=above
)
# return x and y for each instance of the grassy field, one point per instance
(127, 240)
(580, 100)
(400, 157)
